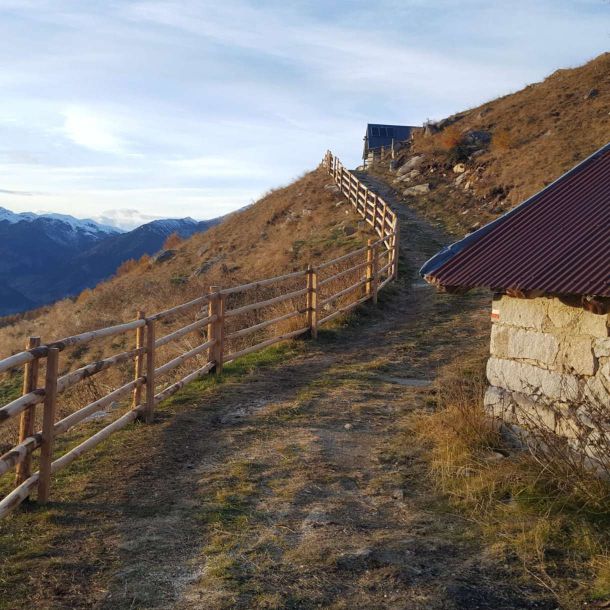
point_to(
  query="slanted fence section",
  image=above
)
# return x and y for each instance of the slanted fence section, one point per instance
(222, 325)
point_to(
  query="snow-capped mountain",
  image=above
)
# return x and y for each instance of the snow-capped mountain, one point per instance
(86, 225)
(45, 257)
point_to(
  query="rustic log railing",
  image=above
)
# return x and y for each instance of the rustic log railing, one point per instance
(321, 295)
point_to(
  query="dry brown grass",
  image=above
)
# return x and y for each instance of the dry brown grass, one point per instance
(282, 232)
(172, 241)
(450, 137)
(502, 140)
(540, 503)
(304, 210)
(537, 134)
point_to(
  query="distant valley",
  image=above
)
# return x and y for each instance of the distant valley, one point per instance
(51, 256)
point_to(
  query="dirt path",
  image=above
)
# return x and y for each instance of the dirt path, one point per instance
(299, 486)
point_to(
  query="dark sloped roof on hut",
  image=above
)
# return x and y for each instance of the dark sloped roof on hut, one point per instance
(556, 242)
(378, 135)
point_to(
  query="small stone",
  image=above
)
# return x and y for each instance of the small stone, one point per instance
(592, 93)
(459, 168)
(418, 189)
(410, 164)
(478, 137)
(164, 256)
(494, 456)
(348, 426)
(205, 267)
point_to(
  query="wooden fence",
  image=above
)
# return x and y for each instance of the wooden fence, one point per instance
(311, 300)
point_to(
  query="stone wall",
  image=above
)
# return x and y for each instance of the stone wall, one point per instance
(550, 370)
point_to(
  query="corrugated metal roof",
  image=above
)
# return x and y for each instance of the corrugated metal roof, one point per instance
(556, 242)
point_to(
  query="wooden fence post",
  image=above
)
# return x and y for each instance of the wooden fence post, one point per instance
(149, 411)
(396, 248)
(310, 298)
(312, 301)
(366, 200)
(28, 417)
(370, 253)
(216, 308)
(375, 273)
(48, 421)
(138, 362)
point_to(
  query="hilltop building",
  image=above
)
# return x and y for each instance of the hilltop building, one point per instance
(547, 262)
(383, 136)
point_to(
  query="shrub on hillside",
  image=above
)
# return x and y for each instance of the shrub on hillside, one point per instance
(452, 142)
(84, 296)
(126, 267)
(451, 137)
(172, 241)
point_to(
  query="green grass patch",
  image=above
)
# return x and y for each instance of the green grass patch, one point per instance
(11, 387)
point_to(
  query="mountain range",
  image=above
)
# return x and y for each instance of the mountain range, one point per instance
(45, 257)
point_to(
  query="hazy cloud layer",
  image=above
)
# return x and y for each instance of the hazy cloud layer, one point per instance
(194, 108)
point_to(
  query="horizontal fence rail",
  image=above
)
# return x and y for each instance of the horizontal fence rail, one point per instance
(225, 321)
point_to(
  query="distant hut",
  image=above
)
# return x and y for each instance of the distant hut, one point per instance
(378, 137)
(547, 262)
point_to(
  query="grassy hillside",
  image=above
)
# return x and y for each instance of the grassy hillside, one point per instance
(511, 147)
(306, 221)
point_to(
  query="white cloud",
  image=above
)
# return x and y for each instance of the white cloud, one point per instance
(93, 130)
(218, 167)
(124, 218)
(194, 107)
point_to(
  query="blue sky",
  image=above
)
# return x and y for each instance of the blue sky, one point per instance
(131, 110)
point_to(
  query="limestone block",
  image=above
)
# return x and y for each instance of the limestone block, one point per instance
(596, 393)
(577, 355)
(533, 416)
(499, 340)
(593, 324)
(532, 345)
(527, 313)
(569, 428)
(601, 347)
(563, 316)
(603, 374)
(531, 380)
(497, 403)
(593, 418)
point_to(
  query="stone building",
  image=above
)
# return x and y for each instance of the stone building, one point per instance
(547, 262)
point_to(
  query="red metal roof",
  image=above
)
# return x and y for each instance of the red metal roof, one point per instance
(556, 242)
